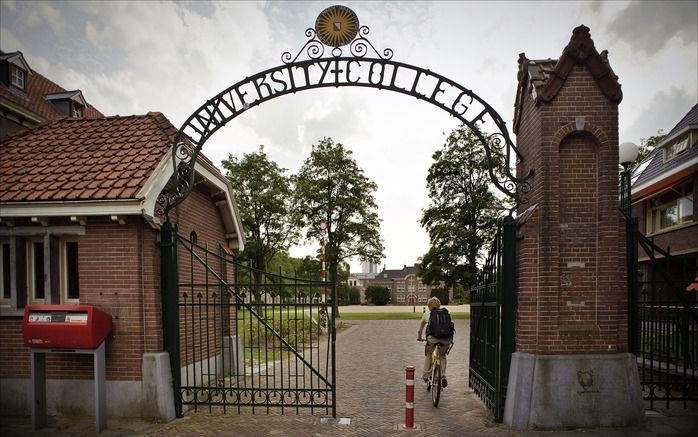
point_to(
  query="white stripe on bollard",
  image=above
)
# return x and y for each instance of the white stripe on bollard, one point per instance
(409, 381)
(409, 404)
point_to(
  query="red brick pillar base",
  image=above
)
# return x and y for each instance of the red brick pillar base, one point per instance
(571, 368)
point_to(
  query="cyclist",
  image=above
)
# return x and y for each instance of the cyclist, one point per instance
(434, 304)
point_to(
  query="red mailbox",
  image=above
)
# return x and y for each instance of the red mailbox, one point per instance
(65, 326)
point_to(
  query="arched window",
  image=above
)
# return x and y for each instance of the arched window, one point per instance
(192, 237)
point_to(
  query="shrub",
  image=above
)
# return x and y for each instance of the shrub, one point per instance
(347, 295)
(378, 295)
(354, 296)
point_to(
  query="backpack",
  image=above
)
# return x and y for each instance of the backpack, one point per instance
(440, 324)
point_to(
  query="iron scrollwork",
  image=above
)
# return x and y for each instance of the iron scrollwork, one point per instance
(362, 66)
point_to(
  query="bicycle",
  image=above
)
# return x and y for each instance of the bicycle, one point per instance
(434, 380)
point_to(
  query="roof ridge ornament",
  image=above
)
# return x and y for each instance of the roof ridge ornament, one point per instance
(337, 27)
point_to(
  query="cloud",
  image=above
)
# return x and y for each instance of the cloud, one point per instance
(649, 26)
(134, 57)
(663, 111)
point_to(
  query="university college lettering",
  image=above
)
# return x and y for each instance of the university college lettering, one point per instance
(335, 72)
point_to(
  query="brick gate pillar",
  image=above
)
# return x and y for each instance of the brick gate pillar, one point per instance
(572, 367)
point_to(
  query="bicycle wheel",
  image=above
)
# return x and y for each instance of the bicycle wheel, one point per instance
(436, 389)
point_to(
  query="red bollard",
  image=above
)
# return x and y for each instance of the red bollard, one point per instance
(409, 397)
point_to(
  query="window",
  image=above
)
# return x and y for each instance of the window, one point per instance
(70, 279)
(5, 291)
(78, 110)
(675, 148)
(35, 271)
(17, 77)
(670, 209)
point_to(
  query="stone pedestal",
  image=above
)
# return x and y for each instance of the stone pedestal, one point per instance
(157, 392)
(573, 391)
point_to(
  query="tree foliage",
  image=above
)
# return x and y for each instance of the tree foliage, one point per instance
(646, 147)
(331, 187)
(378, 295)
(463, 211)
(347, 295)
(442, 294)
(264, 197)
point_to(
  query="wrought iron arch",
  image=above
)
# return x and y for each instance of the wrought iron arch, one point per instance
(361, 66)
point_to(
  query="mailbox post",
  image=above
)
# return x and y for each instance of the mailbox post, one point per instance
(66, 329)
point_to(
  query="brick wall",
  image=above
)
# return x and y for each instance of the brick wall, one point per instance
(208, 314)
(571, 262)
(120, 274)
(110, 263)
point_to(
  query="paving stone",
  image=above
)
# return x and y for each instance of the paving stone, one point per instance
(371, 360)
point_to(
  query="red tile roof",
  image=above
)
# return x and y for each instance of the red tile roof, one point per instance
(36, 88)
(547, 76)
(83, 159)
(581, 50)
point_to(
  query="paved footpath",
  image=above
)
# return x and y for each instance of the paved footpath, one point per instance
(371, 361)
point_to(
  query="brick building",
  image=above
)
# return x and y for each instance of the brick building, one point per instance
(405, 286)
(27, 98)
(360, 281)
(664, 188)
(78, 225)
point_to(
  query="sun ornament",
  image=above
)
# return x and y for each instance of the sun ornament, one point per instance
(337, 26)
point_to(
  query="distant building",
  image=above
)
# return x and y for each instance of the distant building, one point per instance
(28, 99)
(664, 189)
(369, 267)
(360, 281)
(404, 285)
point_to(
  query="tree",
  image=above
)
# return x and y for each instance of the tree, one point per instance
(264, 193)
(347, 295)
(442, 294)
(646, 147)
(331, 187)
(354, 296)
(377, 294)
(463, 212)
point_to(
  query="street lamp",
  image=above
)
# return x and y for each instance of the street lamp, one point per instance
(627, 153)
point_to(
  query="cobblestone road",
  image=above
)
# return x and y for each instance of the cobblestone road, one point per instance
(371, 360)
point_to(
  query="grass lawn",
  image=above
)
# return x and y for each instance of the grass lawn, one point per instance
(393, 316)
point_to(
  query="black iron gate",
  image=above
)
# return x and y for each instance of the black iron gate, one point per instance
(663, 319)
(242, 338)
(492, 320)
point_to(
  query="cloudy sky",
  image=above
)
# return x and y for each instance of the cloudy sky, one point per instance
(135, 57)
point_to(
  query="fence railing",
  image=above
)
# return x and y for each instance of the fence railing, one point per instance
(493, 307)
(663, 320)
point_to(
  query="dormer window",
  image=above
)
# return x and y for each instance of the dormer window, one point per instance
(676, 148)
(14, 71)
(78, 110)
(68, 103)
(17, 76)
